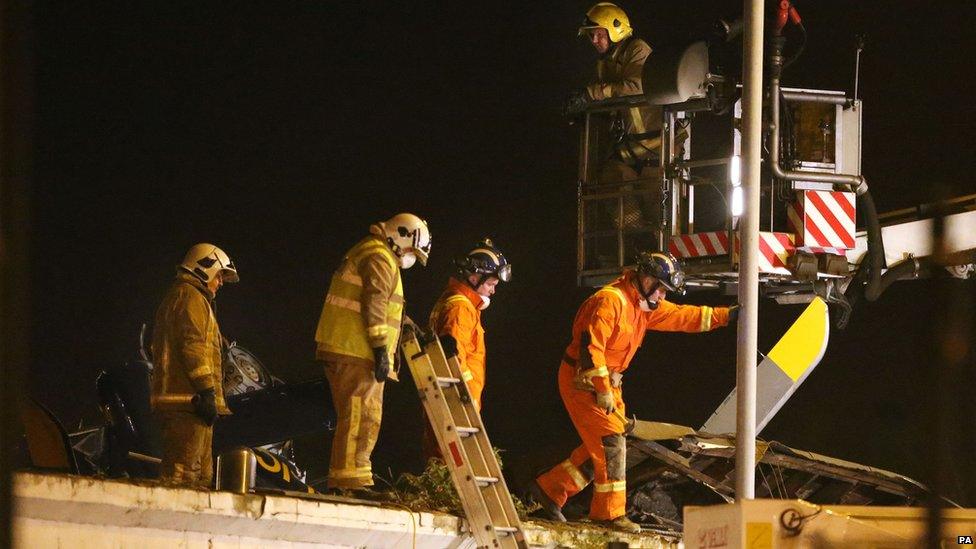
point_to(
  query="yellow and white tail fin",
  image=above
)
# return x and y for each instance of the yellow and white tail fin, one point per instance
(792, 359)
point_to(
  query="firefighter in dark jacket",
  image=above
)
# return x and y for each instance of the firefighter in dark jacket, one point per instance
(634, 133)
(619, 73)
(187, 394)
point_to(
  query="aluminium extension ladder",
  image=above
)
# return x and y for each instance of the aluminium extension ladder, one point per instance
(463, 441)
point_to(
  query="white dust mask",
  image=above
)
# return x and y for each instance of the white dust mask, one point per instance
(407, 260)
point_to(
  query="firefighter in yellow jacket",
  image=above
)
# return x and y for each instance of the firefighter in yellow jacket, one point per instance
(186, 388)
(457, 314)
(634, 134)
(619, 73)
(357, 338)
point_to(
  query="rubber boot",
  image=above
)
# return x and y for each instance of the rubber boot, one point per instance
(548, 508)
(622, 523)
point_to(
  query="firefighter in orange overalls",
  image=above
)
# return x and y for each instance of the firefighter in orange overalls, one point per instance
(457, 314)
(609, 327)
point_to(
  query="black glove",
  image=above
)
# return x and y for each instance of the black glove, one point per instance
(205, 406)
(734, 313)
(576, 102)
(449, 344)
(381, 363)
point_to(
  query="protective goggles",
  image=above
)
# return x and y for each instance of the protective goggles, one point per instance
(504, 272)
(677, 282)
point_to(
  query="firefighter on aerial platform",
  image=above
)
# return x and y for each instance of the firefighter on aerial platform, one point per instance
(357, 336)
(608, 329)
(634, 132)
(187, 394)
(457, 314)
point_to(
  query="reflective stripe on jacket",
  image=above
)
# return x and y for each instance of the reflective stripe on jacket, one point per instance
(618, 74)
(456, 314)
(364, 306)
(617, 325)
(186, 347)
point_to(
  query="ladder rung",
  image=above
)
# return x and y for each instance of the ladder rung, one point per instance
(485, 498)
(447, 381)
(485, 481)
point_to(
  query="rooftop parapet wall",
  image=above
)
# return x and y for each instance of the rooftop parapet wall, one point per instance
(71, 511)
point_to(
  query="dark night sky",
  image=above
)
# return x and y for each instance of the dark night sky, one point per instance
(281, 133)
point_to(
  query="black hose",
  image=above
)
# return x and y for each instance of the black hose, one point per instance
(876, 252)
(869, 270)
(909, 268)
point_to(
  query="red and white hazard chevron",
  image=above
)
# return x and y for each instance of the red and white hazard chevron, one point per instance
(823, 221)
(774, 251)
(699, 244)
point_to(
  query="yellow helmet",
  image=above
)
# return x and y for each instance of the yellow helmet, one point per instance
(610, 17)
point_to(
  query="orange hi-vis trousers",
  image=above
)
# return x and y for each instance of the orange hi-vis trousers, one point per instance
(603, 452)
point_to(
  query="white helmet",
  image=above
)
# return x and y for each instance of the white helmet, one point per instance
(407, 235)
(204, 261)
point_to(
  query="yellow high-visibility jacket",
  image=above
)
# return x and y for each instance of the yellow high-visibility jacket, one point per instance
(186, 347)
(364, 306)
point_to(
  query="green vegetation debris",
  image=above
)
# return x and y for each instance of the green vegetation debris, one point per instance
(433, 490)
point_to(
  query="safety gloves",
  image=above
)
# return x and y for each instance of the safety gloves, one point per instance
(604, 401)
(734, 313)
(381, 363)
(576, 103)
(205, 406)
(616, 379)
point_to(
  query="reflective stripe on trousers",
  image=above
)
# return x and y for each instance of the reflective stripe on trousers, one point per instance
(568, 478)
(603, 449)
(615, 486)
(358, 401)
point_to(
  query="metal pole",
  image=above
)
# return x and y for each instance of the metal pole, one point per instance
(582, 180)
(745, 363)
(816, 97)
(666, 226)
(857, 63)
(951, 335)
